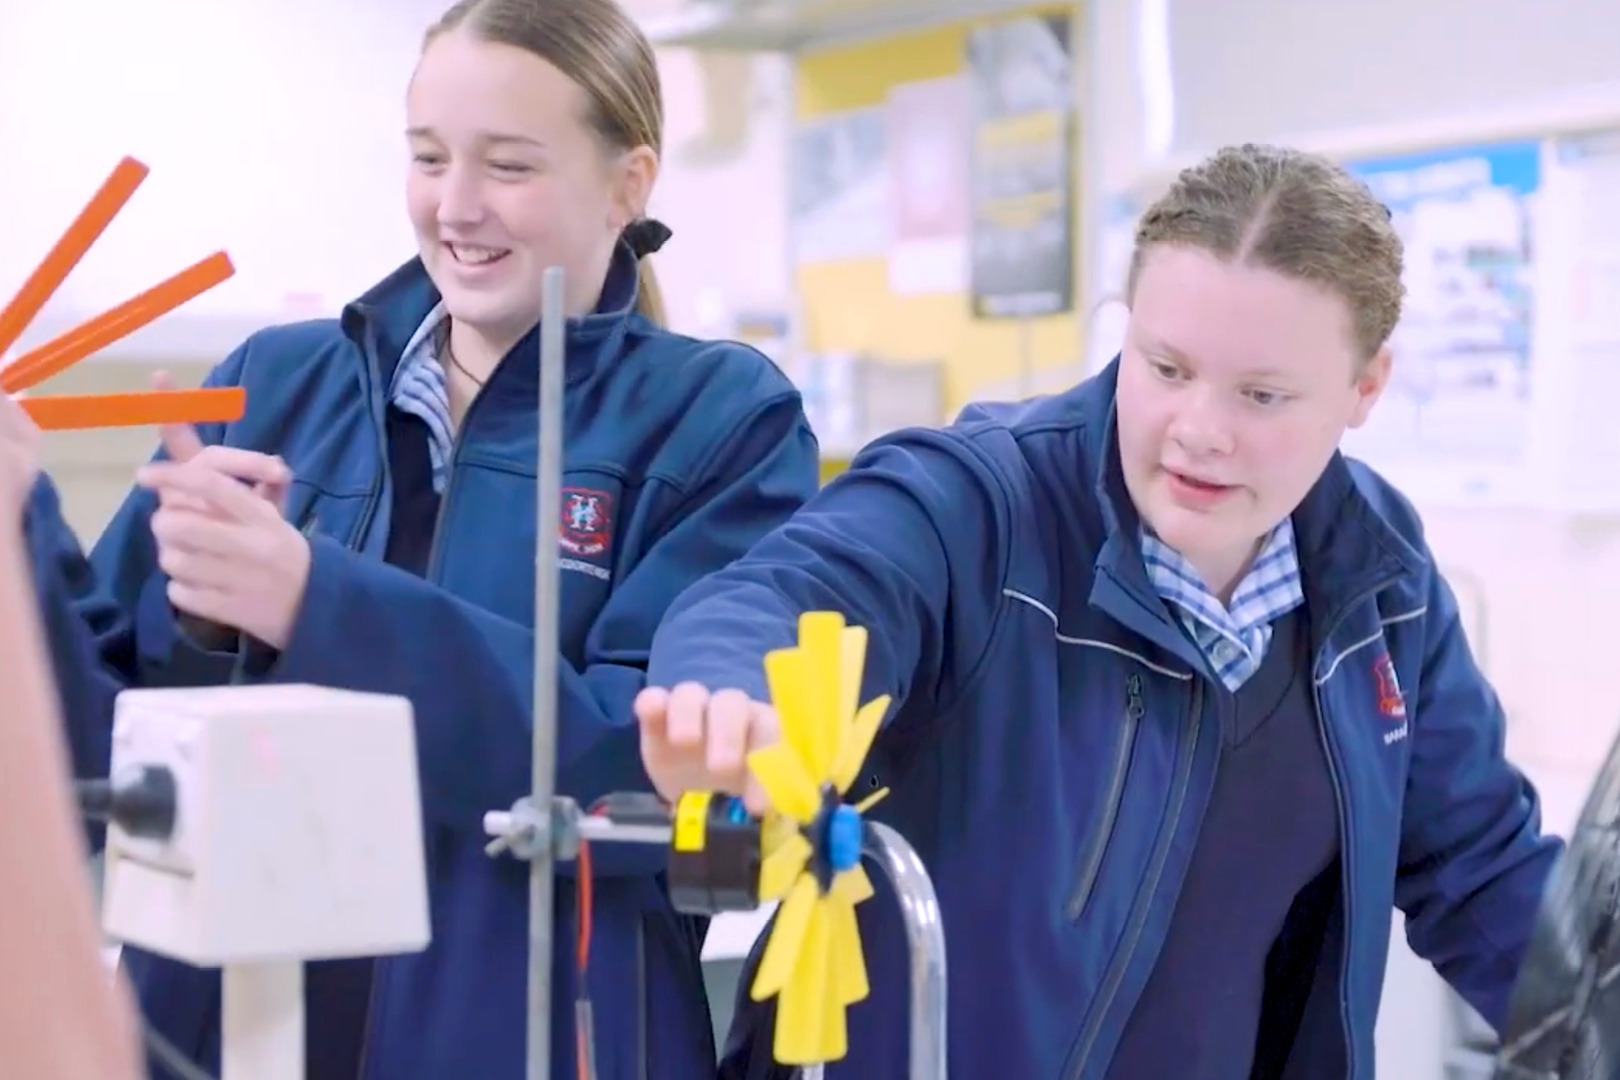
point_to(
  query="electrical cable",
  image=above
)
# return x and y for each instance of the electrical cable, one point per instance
(144, 802)
(170, 1056)
(584, 1024)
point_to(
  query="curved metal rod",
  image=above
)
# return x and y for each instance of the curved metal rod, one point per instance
(925, 940)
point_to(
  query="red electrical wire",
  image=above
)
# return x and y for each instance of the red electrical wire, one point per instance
(582, 950)
(582, 958)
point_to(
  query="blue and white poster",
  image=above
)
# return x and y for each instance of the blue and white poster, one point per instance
(1456, 419)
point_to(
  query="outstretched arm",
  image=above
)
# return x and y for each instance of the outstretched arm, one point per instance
(910, 543)
(1473, 863)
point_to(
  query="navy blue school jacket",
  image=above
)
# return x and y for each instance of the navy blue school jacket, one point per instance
(997, 568)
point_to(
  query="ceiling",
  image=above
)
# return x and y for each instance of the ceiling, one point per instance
(791, 25)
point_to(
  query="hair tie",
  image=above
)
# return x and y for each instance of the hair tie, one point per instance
(645, 236)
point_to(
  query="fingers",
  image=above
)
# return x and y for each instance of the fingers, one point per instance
(651, 708)
(714, 726)
(196, 570)
(764, 730)
(186, 529)
(266, 476)
(248, 466)
(224, 494)
(180, 441)
(208, 604)
(685, 721)
(691, 738)
(196, 549)
(729, 719)
(274, 493)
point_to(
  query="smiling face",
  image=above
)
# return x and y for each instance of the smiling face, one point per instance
(1236, 384)
(508, 177)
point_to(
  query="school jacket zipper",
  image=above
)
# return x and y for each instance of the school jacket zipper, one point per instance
(433, 551)
(1346, 849)
(1097, 845)
(1145, 889)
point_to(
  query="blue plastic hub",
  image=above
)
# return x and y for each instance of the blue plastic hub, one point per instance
(844, 839)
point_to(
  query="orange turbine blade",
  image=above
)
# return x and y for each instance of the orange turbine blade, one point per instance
(66, 412)
(59, 262)
(61, 353)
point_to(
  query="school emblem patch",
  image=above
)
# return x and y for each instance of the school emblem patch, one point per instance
(1391, 702)
(587, 521)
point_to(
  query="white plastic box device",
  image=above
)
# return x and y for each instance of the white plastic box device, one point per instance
(296, 835)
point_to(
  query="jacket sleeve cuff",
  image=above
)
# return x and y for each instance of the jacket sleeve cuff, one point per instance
(309, 655)
(168, 655)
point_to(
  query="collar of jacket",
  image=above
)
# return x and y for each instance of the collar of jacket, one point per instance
(382, 321)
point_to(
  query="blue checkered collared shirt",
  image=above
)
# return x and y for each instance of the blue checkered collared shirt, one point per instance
(419, 389)
(1234, 638)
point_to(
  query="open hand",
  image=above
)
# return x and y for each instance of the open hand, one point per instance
(230, 556)
(694, 740)
(267, 476)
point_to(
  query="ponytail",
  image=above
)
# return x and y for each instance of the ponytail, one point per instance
(643, 237)
(649, 297)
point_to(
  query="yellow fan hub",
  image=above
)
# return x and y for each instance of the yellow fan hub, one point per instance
(811, 841)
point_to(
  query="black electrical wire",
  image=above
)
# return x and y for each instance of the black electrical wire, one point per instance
(170, 1056)
(143, 802)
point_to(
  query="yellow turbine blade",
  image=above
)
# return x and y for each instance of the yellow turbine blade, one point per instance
(775, 830)
(789, 787)
(782, 867)
(802, 1036)
(871, 800)
(786, 671)
(787, 938)
(821, 637)
(853, 886)
(857, 741)
(834, 1027)
(849, 959)
(852, 665)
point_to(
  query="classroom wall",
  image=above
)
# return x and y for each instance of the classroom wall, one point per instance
(886, 303)
(274, 131)
(1357, 75)
(1278, 68)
